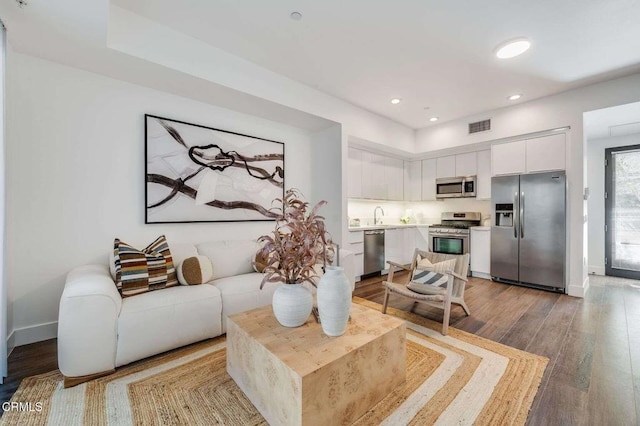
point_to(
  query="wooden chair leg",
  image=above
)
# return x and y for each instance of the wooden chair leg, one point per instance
(465, 307)
(386, 301)
(445, 320)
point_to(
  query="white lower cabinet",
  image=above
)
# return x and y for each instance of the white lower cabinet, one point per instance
(399, 245)
(393, 246)
(359, 260)
(481, 251)
(421, 238)
(356, 245)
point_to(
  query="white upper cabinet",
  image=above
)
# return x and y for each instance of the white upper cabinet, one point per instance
(546, 153)
(541, 154)
(368, 168)
(466, 164)
(483, 180)
(429, 179)
(375, 176)
(508, 158)
(446, 166)
(355, 173)
(412, 180)
(394, 177)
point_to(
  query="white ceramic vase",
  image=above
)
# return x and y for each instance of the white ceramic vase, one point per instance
(292, 304)
(334, 301)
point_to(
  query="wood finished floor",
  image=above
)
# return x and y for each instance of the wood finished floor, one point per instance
(593, 345)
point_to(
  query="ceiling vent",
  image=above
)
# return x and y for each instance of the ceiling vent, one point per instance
(480, 126)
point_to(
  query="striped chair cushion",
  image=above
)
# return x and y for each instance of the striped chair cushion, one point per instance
(427, 282)
(139, 271)
(429, 278)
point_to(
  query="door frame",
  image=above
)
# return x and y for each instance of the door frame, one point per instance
(609, 270)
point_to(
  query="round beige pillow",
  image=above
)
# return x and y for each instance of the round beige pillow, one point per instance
(195, 270)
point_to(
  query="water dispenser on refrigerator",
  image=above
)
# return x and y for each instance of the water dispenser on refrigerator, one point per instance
(504, 215)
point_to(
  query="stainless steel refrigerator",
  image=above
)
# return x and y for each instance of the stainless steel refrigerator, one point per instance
(528, 232)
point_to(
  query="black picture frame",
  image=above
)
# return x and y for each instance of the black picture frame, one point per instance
(200, 174)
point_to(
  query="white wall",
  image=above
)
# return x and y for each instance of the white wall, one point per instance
(564, 109)
(326, 169)
(595, 182)
(75, 177)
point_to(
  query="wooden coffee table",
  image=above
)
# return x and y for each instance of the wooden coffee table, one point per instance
(300, 376)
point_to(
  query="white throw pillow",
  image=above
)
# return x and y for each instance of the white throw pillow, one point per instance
(425, 264)
(195, 270)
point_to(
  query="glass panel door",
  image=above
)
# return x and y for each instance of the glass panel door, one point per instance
(448, 245)
(622, 212)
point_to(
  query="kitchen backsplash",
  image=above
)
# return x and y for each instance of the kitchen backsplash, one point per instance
(421, 212)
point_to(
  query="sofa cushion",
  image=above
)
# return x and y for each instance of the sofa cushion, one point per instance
(139, 271)
(242, 292)
(181, 251)
(194, 270)
(229, 258)
(158, 321)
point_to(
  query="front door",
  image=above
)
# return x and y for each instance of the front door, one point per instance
(622, 211)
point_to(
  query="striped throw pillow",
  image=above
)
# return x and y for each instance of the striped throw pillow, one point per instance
(429, 278)
(140, 271)
(428, 282)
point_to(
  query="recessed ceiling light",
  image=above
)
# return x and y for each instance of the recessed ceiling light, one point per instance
(396, 101)
(296, 16)
(433, 119)
(513, 48)
(514, 97)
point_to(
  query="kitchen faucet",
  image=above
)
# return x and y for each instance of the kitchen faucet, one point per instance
(375, 219)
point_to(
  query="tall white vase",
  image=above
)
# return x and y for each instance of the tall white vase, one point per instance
(292, 304)
(334, 301)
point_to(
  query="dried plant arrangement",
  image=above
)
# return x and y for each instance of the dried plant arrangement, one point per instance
(298, 243)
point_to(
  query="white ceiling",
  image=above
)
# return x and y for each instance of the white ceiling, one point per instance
(431, 54)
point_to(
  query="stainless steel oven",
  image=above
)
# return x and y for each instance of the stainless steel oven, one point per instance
(449, 241)
(451, 236)
(456, 187)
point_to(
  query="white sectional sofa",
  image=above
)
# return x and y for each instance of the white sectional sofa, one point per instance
(98, 330)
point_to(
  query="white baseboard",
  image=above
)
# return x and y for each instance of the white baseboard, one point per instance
(481, 275)
(596, 270)
(11, 343)
(33, 334)
(579, 290)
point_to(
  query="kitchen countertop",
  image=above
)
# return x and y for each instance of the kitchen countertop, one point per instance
(386, 226)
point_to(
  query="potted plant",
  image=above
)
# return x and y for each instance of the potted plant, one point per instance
(291, 253)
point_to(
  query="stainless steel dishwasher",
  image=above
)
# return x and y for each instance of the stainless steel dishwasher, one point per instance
(373, 251)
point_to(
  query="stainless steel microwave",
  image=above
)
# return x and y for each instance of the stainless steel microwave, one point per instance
(457, 187)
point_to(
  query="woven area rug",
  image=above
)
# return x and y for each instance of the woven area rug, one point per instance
(455, 379)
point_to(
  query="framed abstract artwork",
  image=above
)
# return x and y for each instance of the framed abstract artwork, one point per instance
(201, 174)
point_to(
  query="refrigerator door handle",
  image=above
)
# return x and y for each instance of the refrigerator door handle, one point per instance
(515, 215)
(522, 215)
